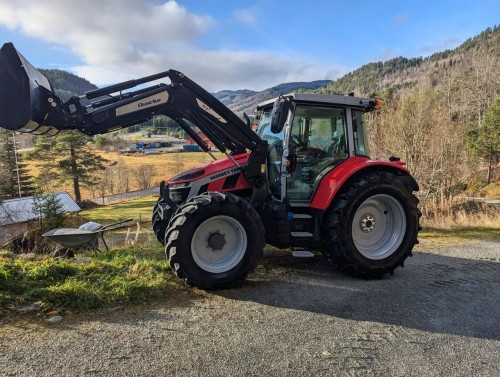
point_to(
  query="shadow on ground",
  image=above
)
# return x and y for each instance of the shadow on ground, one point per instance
(433, 293)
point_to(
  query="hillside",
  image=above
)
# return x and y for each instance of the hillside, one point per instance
(67, 84)
(229, 97)
(403, 72)
(374, 77)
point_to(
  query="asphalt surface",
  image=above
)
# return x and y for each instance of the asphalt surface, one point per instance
(108, 199)
(439, 316)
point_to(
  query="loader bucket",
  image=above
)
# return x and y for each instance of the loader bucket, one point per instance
(26, 96)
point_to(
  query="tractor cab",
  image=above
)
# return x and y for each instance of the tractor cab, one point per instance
(308, 135)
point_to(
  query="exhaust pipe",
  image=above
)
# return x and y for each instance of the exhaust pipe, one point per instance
(27, 97)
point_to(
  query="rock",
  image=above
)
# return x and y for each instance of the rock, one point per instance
(114, 309)
(81, 260)
(29, 307)
(55, 319)
(27, 256)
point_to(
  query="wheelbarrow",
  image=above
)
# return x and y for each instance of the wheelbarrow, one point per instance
(86, 237)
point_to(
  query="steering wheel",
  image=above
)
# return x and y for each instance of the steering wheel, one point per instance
(336, 147)
(298, 144)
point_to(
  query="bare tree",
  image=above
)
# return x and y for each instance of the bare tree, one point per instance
(417, 127)
(477, 86)
(124, 175)
(144, 175)
(104, 183)
(178, 162)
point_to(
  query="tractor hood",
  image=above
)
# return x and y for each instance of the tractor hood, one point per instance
(26, 95)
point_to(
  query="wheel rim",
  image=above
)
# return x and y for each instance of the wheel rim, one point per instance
(379, 226)
(219, 244)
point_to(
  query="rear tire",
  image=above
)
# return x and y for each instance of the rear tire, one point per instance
(160, 225)
(372, 227)
(214, 240)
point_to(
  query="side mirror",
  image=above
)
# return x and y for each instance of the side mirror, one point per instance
(279, 114)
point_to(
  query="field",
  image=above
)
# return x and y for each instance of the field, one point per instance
(139, 210)
(164, 166)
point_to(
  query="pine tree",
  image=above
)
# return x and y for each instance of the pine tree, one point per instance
(68, 156)
(15, 179)
(49, 209)
(488, 140)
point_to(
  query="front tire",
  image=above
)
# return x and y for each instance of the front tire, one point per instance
(214, 240)
(160, 224)
(372, 226)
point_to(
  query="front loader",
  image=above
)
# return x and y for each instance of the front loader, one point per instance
(303, 180)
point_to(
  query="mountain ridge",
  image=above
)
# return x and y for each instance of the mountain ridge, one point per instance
(247, 101)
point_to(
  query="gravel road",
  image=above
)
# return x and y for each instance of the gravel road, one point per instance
(439, 316)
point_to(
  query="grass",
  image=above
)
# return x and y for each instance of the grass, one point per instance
(461, 233)
(491, 191)
(122, 276)
(466, 216)
(469, 221)
(137, 209)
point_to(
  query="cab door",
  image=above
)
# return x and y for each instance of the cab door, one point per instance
(318, 138)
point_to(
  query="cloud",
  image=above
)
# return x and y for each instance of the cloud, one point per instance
(118, 40)
(246, 16)
(387, 54)
(217, 70)
(444, 45)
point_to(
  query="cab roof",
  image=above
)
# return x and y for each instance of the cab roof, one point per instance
(320, 99)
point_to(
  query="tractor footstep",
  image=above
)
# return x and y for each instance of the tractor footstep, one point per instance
(302, 253)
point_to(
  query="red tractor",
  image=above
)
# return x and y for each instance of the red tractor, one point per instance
(304, 179)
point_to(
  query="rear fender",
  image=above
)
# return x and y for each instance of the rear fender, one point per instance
(334, 180)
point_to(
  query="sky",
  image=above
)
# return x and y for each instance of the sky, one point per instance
(246, 44)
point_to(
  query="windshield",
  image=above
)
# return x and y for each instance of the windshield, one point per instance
(264, 128)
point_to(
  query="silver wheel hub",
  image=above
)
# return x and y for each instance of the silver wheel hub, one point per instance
(379, 226)
(367, 223)
(219, 244)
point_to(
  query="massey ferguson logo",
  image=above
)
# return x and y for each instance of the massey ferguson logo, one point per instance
(224, 173)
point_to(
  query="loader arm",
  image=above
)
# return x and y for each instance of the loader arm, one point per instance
(28, 104)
